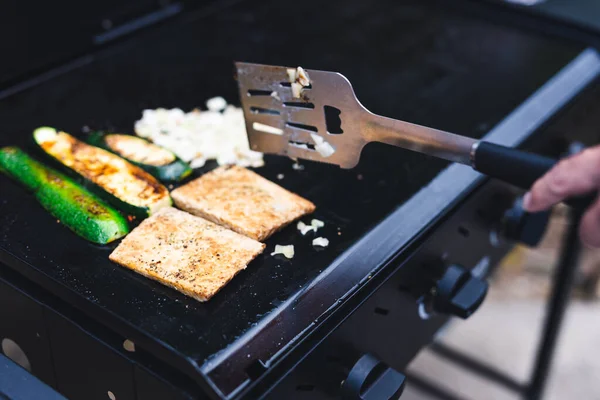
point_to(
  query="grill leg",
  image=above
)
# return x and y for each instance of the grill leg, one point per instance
(562, 286)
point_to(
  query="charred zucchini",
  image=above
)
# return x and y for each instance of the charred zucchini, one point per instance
(75, 207)
(121, 183)
(161, 163)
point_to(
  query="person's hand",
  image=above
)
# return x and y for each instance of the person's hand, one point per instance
(573, 176)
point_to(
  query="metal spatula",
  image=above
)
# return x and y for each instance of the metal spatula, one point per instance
(326, 116)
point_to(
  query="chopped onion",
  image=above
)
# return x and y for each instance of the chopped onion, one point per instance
(321, 146)
(317, 223)
(297, 166)
(320, 241)
(267, 128)
(287, 251)
(197, 163)
(299, 79)
(303, 228)
(216, 104)
(302, 77)
(197, 136)
(291, 75)
(296, 89)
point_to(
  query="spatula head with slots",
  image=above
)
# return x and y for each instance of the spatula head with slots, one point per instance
(322, 124)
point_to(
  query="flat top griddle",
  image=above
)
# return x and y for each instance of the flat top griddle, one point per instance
(415, 61)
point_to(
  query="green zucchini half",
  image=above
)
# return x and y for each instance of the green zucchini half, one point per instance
(126, 186)
(75, 207)
(161, 163)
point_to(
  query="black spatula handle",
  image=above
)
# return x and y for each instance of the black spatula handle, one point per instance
(518, 168)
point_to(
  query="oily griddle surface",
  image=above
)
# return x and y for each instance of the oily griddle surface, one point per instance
(408, 60)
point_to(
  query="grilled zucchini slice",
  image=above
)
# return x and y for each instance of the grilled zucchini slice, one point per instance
(161, 163)
(75, 207)
(121, 183)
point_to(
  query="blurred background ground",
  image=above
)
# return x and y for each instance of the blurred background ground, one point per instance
(505, 330)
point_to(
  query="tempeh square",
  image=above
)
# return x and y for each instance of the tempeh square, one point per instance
(185, 252)
(241, 200)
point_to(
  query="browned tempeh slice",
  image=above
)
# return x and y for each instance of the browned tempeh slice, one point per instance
(241, 200)
(185, 252)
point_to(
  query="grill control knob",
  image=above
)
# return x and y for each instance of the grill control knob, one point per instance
(523, 227)
(371, 379)
(458, 292)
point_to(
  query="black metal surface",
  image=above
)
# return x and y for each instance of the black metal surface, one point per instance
(109, 371)
(87, 351)
(151, 386)
(414, 61)
(18, 384)
(580, 12)
(36, 35)
(91, 359)
(23, 323)
(388, 324)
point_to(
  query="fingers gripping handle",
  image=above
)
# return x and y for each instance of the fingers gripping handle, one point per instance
(518, 168)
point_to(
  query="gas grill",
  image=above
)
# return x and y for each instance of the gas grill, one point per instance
(412, 239)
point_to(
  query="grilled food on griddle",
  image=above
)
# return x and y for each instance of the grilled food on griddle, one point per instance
(159, 162)
(185, 252)
(231, 209)
(75, 207)
(125, 185)
(241, 200)
(218, 133)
